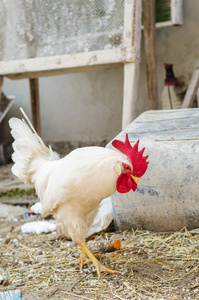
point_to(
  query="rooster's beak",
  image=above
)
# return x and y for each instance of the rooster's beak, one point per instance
(136, 179)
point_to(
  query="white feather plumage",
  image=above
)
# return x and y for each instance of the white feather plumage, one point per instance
(26, 146)
(72, 187)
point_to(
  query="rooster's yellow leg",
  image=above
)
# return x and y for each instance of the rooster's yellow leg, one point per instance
(99, 267)
(84, 260)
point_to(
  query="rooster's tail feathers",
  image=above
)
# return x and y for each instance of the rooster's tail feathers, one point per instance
(27, 146)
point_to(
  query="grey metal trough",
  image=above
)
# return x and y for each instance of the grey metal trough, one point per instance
(167, 197)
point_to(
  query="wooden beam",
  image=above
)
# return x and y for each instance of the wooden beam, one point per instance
(55, 72)
(132, 39)
(70, 63)
(34, 95)
(131, 80)
(149, 39)
(192, 89)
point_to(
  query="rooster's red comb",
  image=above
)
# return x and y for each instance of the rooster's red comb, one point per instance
(136, 157)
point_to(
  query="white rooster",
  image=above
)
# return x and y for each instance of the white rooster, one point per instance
(72, 188)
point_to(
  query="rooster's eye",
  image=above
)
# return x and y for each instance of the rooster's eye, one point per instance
(127, 168)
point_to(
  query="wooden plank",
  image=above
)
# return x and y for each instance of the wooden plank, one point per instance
(55, 72)
(176, 12)
(192, 89)
(149, 39)
(131, 79)
(55, 65)
(163, 24)
(34, 95)
(1, 85)
(132, 39)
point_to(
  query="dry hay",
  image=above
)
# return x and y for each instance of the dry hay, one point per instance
(151, 265)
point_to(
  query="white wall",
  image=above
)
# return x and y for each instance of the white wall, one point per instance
(88, 106)
(75, 107)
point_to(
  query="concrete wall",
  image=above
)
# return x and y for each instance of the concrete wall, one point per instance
(88, 106)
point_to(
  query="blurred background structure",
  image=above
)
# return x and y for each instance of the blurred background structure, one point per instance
(87, 107)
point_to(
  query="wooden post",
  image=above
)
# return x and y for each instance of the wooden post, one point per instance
(132, 39)
(34, 95)
(176, 12)
(149, 39)
(1, 85)
(192, 89)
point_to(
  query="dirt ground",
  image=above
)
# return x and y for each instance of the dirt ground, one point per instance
(150, 265)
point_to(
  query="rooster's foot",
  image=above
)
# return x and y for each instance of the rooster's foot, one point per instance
(85, 252)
